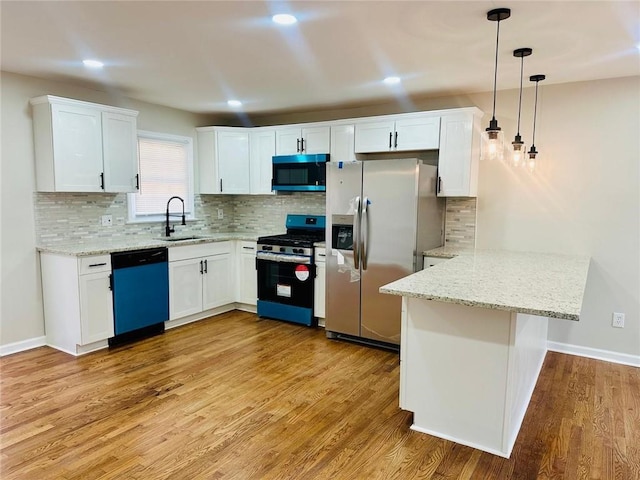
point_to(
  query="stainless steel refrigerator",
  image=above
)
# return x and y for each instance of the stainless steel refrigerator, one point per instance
(381, 216)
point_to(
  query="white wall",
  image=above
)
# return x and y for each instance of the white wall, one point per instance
(21, 316)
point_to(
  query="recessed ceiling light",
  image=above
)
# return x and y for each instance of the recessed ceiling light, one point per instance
(392, 80)
(93, 63)
(234, 103)
(284, 19)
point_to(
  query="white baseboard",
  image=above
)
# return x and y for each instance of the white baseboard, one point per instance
(606, 355)
(22, 345)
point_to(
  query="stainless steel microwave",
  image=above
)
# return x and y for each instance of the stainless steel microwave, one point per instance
(300, 173)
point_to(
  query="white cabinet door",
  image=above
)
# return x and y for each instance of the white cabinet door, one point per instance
(232, 154)
(374, 136)
(295, 140)
(316, 140)
(288, 140)
(185, 287)
(218, 281)
(262, 143)
(417, 133)
(120, 147)
(77, 148)
(459, 155)
(96, 307)
(342, 143)
(247, 275)
(207, 165)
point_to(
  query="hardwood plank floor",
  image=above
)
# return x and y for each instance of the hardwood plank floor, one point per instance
(238, 397)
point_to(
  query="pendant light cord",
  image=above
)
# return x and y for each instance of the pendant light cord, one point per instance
(520, 99)
(535, 114)
(495, 71)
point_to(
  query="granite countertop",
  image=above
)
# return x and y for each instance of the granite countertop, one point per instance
(548, 285)
(447, 251)
(123, 243)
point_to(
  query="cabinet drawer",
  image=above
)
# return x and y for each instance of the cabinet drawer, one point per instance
(94, 264)
(200, 250)
(247, 248)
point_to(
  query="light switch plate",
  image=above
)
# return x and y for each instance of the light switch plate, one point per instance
(107, 220)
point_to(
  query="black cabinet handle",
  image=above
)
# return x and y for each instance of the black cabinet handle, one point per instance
(97, 264)
(201, 270)
(249, 248)
(301, 145)
(439, 184)
(396, 141)
(390, 137)
(110, 282)
(137, 181)
(102, 180)
(220, 185)
(205, 266)
(297, 145)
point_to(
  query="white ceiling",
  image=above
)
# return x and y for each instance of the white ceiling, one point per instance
(196, 55)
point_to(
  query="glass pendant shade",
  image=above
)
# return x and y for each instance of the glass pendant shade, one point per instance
(532, 159)
(519, 152)
(494, 144)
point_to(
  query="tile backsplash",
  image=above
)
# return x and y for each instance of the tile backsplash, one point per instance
(460, 222)
(75, 217)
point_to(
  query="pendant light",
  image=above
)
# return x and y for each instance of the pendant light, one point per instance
(494, 140)
(532, 154)
(519, 150)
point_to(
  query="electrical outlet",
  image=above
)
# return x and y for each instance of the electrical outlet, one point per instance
(107, 220)
(220, 214)
(618, 320)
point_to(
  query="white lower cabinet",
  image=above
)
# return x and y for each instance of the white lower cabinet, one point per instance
(200, 278)
(319, 285)
(78, 303)
(247, 291)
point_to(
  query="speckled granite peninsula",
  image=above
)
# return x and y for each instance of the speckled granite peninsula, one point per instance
(549, 285)
(474, 337)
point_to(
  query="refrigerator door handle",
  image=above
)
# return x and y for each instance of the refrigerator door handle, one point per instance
(364, 227)
(356, 236)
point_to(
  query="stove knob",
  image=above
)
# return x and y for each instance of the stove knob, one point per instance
(282, 249)
(267, 247)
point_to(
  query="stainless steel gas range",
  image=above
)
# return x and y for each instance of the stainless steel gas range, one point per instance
(286, 270)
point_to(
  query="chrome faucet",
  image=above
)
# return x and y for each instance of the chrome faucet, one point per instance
(167, 229)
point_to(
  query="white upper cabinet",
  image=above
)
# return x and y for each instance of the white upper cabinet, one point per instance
(342, 143)
(262, 148)
(223, 160)
(295, 139)
(398, 133)
(459, 154)
(84, 147)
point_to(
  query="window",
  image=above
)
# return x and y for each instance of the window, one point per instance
(166, 170)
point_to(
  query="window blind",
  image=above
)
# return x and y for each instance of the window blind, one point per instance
(164, 172)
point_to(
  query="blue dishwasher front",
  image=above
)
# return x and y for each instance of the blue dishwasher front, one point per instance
(140, 290)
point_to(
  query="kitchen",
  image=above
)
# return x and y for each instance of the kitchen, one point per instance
(514, 211)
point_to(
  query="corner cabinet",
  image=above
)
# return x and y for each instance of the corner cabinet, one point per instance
(247, 291)
(459, 155)
(397, 134)
(78, 303)
(84, 147)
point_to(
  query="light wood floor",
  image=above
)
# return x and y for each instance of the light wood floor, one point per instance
(236, 397)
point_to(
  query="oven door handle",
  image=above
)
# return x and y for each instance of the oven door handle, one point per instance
(356, 236)
(282, 258)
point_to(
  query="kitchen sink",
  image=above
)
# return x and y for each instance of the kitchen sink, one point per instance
(179, 239)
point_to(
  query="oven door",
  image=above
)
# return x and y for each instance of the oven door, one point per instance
(285, 288)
